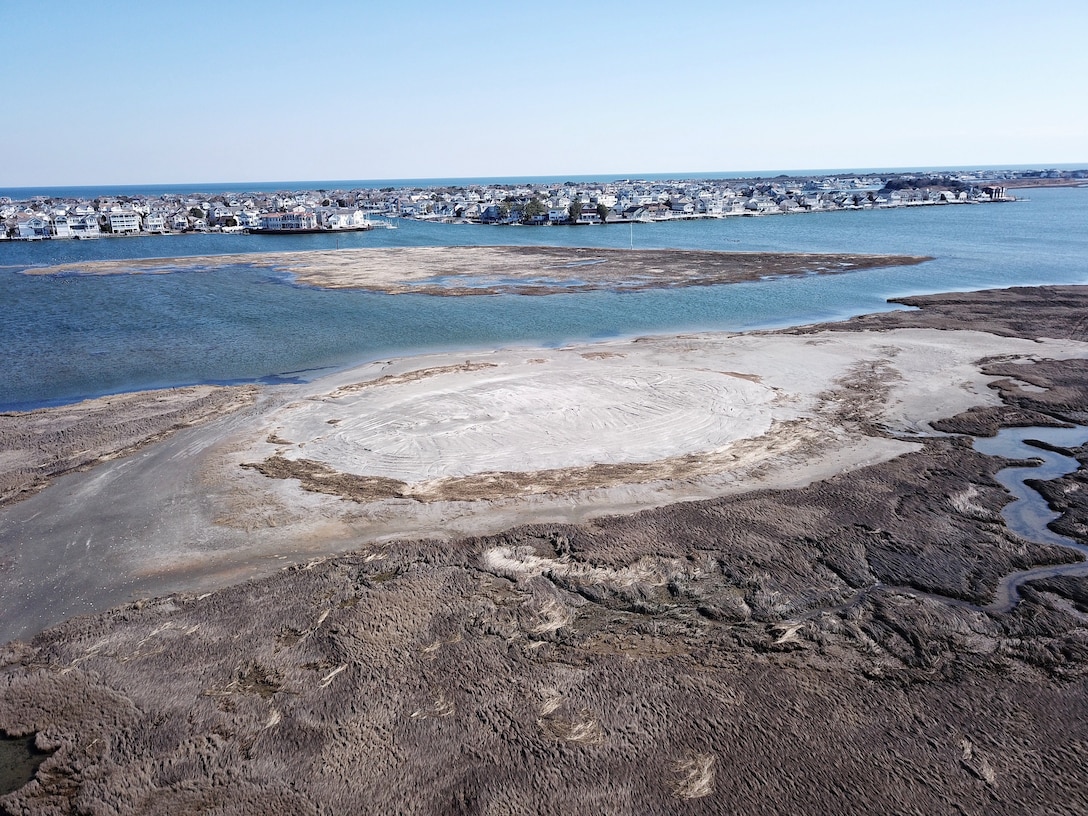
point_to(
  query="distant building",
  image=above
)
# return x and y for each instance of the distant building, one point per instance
(288, 221)
(30, 227)
(61, 227)
(346, 219)
(84, 226)
(180, 221)
(124, 221)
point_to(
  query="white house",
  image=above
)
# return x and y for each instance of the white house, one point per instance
(61, 227)
(32, 226)
(124, 221)
(84, 226)
(249, 219)
(347, 219)
(288, 221)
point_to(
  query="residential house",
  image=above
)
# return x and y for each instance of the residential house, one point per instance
(179, 222)
(84, 226)
(61, 227)
(497, 214)
(249, 218)
(123, 221)
(588, 215)
(32, 226)
(346, 219)
(294, 220)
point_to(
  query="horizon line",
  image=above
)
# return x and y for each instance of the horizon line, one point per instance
(527, 177)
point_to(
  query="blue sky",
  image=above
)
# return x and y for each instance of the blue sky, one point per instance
(131, 93)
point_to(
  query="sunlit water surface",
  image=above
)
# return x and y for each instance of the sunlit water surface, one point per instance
(71, 337)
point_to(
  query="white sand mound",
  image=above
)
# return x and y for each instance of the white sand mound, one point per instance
(525, 417)
(656, 420)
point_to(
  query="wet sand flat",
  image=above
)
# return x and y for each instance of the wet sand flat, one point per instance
(506, 270)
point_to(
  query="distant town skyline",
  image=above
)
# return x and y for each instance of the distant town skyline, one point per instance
(256, 92)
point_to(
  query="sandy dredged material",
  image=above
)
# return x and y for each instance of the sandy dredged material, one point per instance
(36, 446)
(528, 416)
(712, 415)
(622, 424)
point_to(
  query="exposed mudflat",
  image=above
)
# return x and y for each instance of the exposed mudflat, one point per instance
(808, 643)
(37, 446)
(507, 270)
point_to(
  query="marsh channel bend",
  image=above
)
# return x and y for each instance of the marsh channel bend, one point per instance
(1029, 515)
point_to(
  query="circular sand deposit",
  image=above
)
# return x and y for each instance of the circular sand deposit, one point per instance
(527, 419)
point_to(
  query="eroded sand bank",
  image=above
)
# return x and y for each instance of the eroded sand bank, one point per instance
(507, 270)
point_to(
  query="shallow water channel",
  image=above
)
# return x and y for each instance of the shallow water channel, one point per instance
(19, 760)
(1029, 514)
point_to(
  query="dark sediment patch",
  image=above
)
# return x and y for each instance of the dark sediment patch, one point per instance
(1036, 311)
(1040, 392)
(1056, 394)
(759, 651)
(435, 681)
(1068, 495)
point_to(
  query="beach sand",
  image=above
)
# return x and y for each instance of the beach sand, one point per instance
(646, 574)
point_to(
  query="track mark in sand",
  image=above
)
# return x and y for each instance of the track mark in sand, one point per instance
(782, 439)
(407, 377)
(520, 420)
(696, 776)
(328, 678)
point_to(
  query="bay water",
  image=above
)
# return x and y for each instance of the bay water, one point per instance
(67, 338)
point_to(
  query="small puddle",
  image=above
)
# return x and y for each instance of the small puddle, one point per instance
(1028, 514)
(19, 761)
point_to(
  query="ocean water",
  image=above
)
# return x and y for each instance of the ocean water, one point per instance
(242, 187)
(67, 338)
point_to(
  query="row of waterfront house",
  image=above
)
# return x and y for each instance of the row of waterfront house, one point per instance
(87, 220)
(566, 203)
